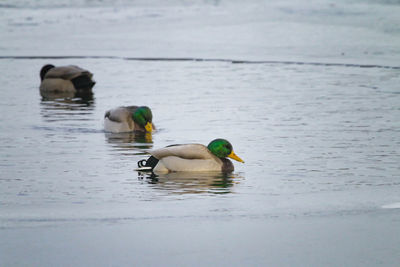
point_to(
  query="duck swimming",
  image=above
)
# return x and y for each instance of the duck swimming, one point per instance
(129, 119)
(191, 157)
(65, 79)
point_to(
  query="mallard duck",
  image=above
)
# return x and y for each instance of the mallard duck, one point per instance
(191, 157)
(128, 119)
(65, 79)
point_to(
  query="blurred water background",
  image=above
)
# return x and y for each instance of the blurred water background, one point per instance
(306, 91)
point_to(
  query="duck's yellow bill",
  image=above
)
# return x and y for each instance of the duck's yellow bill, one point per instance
(148, 127)
(235, 157)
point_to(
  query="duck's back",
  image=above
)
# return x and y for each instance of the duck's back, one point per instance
(67, 72)
(186, 151)
(119, 120)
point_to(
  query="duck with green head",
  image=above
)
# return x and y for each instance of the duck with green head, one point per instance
(129, 119)
(192, 157)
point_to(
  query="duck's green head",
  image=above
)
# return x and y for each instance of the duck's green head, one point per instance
(222, 148)
(143, 117)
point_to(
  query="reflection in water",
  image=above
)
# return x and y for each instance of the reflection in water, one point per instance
(59, 106)
(85, 97)
(130, 141)
(192, 182)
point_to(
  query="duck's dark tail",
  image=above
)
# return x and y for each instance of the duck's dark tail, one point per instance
(83, 82)
(148, 164)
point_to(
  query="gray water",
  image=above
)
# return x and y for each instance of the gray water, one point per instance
(319, 133)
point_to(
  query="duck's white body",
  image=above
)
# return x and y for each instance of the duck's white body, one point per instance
(116, 127)
(57, 85)
(189, 157)
(59, 79)
(119, 120)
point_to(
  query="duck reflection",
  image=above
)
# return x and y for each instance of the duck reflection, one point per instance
(85, 97)
(192, 182)
(60, 106)
(130, 141)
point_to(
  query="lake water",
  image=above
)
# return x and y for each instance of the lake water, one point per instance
(307, 94)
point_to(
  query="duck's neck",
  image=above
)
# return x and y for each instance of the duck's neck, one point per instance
(227, 165)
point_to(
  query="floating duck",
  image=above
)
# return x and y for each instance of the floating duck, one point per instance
(191, 157)
(128, 119)
(65, 79)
